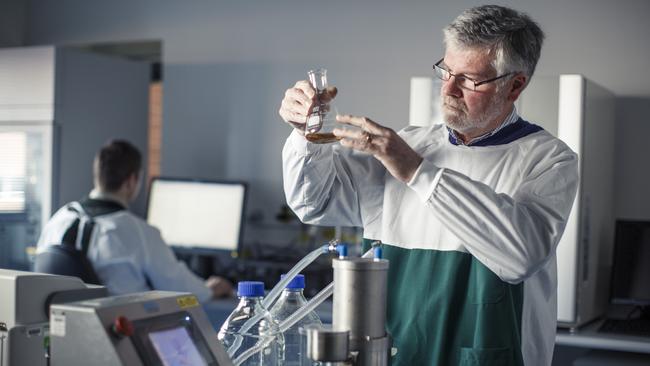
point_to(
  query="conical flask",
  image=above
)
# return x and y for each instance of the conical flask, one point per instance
(322, 119)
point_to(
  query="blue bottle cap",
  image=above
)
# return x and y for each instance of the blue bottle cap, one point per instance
(250, 289)
(377, 252)
(298, 282)
(342, 248)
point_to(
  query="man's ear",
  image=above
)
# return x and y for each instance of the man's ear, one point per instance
(132, 180)
(518, 85)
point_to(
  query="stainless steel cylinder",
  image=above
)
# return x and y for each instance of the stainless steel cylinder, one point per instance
(327, 345)
(374, 352)
(360, 299)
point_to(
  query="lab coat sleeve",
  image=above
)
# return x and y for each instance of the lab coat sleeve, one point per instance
(167, 273)
(513, 235)
(324, 184)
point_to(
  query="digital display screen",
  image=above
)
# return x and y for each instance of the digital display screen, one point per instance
(175, 347)
(197, 214)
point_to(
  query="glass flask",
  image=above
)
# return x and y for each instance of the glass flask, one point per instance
(321, 121)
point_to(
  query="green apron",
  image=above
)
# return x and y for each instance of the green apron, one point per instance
(445, 308)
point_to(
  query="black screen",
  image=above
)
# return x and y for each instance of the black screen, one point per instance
(631, 270)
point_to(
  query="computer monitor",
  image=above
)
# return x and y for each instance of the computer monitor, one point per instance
(631, 269)
(198, 214)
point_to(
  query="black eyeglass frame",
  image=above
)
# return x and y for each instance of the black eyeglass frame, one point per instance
(476, 83)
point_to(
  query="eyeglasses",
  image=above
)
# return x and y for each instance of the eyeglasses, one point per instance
(461, 80)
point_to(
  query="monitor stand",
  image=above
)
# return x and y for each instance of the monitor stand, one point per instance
(201, 265)
(208, 264)
(644, 312)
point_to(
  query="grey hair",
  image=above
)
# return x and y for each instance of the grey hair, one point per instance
(514, 37)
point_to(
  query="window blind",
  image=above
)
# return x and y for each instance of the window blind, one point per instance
(13, 155)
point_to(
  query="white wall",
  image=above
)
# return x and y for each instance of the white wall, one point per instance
(227, 64)
(12, 23)
(98, 98)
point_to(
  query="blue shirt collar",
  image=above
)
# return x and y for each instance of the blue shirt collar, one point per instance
(504, 134)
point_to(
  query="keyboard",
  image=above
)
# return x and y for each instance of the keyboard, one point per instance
(633, 327)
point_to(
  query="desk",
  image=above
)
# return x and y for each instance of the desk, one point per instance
(587, 346)
(589, 337)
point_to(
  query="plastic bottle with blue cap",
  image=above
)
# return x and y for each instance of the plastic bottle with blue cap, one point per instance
(292, 299)
(238, 335)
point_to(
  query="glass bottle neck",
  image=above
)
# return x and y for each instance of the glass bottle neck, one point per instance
(294, 294)
(250, 300)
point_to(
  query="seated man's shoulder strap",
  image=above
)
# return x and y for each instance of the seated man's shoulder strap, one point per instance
(87, 210)
(99, 207)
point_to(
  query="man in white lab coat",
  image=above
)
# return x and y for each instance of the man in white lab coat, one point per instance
(469, 212)
(127, 254)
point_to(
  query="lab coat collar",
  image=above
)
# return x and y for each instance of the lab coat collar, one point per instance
(96, 194)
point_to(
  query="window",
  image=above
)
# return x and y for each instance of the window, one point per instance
(13, 151)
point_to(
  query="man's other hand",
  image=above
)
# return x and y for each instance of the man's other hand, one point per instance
(219, 286)
(383, 143)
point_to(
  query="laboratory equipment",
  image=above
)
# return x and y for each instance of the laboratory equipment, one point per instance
(327, 291)
(295, 340)
(149, 328)
(369, 342)
(238, 335)
(205, 216)
(322, 119)
(359, 315)
(358, 334)
(268, 301)
(24, 310)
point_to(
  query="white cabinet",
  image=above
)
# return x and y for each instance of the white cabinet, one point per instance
(582, 114)
(57, 107)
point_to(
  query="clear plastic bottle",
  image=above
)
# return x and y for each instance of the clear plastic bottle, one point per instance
(251, 325)
(292, 299)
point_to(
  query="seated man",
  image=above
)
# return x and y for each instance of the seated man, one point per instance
(127, 254)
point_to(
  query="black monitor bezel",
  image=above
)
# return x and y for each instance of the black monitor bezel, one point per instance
(204, 250)
(618, 239)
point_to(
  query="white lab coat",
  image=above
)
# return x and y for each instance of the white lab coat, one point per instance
(506, 205)
(126, 252)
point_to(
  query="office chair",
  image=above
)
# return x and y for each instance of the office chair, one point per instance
(65, 260)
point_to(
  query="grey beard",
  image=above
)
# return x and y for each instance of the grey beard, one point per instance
(460, 122)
